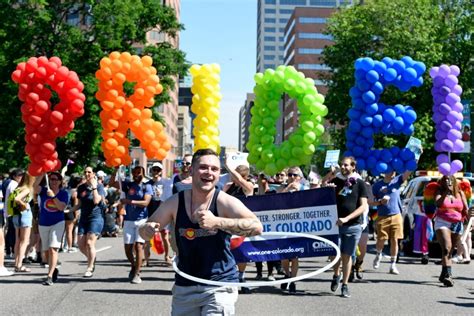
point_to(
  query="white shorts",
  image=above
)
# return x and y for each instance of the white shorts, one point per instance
(51, 235)
(130, 231)
(200, 300)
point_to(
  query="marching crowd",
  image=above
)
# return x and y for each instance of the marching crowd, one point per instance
(46, 214)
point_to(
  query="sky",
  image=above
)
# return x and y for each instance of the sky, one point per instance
(223, 32)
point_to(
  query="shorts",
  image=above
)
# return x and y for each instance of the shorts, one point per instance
(2, 219)
(455, 228)
(199, 300)
(92, 225)
(69, 216)
(349, 239)
(25, 219)
(153, 206)
(389, 227)
(51, 235)
(130, 231)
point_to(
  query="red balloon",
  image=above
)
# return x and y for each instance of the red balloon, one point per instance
(56, 117)
(41, 107)
(35, 169)
(47, 148)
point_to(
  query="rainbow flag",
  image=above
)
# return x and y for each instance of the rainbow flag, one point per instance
(429, 205)
(422, 234)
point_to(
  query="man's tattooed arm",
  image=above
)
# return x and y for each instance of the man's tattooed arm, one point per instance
(240, 226)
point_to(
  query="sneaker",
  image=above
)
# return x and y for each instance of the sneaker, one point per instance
(448, 281)
(136, 280)
(345, 291)
(244, 289)
(425, 259)
(48, 281)
(377, 260)
(292, 288)
(284, 286)
(271, 278)
(88, 274)
(55, 275)
(72, 250)
(259, 277)
(394, 270)
(131, 274)
(442, 276)
(27, 261)
(5, 272)
(336, 280)
(358, 270)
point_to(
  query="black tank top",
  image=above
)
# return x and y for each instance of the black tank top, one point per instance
(202, 253)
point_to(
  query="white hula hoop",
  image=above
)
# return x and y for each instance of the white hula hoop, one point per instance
(268, 283)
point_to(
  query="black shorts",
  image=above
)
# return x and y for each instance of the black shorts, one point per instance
(69, 216)
(152, 207)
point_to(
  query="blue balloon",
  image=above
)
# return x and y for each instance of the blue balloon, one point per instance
(398, 123)
(377, 88)
(387, 128)
(363, 85)
(348, 153)
(381, 167)
(406, 154)
(372, 76)
(368, 97)
(358, 63)
(369, 143)
(388, 61)
(360, 74)
(371, 109)
(360, 141)
(371, 162)
(365, 119)
(390, 74)
(399, 66)
(358, 103)
(350, 135)
(380, 67)
(386, 155)
(375, 153)
(403, 86)
(361, 164)
(397, 164)
(354, 114)
(419, 67)
(409, 116)
(411, 165)
(389, 115)
(367, 63)
(418, 82)
(354, 126)
(367, 132)
(408, 61)
(358, 151)
(354, 92)
(389, 169)
(378, 120)
(399, 109)
(409, 75)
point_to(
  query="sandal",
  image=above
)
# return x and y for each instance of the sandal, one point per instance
(22, 269)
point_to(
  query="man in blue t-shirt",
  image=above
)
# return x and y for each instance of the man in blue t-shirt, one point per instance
(389, 223)
(137, 197)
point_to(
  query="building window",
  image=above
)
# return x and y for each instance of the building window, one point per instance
(286, 11)
(323, 3)
(282, 29)
(281, 39)
(283, 20)
(314, 36)
(269, 38)
(269, 48)
(309, 51)
(268, 57)
(293, 2)
(318, 82)
(270, 1)
(313, 67)
(307, 20)
(270, 20)
(268, 66)
(270, 11)
(270, 29)
(155, 35)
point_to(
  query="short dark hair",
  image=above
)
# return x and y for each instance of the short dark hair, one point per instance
(202, 152)
(351, 159)
(16, 173)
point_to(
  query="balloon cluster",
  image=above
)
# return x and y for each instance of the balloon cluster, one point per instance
(43, 123)
(302, 143)
(447, 115)
(206, 98)
(368, 116)
(120, 113)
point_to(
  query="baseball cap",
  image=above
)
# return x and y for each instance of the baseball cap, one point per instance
(101, 174)
(157, 165)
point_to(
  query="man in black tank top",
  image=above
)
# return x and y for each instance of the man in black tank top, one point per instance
(205, 218)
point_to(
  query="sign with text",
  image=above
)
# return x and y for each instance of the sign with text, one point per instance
(332, 158)
(237, 158)
(310, 212)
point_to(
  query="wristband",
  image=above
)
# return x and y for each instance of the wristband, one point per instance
(93, 189)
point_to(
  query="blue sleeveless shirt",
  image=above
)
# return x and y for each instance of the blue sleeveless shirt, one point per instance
(202, 253)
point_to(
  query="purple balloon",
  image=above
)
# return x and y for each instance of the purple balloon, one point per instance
(456, 166)
(445, 126)
(447, 145)
(457, 89)
(444, 109)
(442, 158)
(444, 71)
(437, 117)
(444, 168)
(451, 81)
(440, 135)
(452, 98)
(455, 70)
(454, 134)
(437, 147)
(458, 107)
(434, 72)
(458, 145)
(452, 117)
(438, 81)
(457, 125)
(444, 91)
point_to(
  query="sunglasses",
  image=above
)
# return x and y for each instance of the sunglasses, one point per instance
(186, 163)
(293, 174)
(280, 174)
(156, 170)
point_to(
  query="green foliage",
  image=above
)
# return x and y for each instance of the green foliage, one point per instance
(39, 27)
(434, 32)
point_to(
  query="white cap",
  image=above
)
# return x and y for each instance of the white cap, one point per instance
(101, 174)
(157, 164)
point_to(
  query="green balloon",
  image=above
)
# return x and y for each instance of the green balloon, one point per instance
(308, 99)
(252, 159)
(296, 139)
(293, 162)
(273, 105)
(285, 152)
(309, 137)
(279, 76)
(271, 169)
(289, 84)
(258, 77)
(297, 152)
(309, 149)
(307, 125)
(260, 165)
(268, 122)
(275, 114)
(267, 155)
(282, 163)
(260, 130)
(267, 139)
(319, 98)
(319, 130)
(257, 149)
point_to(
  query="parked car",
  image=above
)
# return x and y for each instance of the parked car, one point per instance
(412, 203)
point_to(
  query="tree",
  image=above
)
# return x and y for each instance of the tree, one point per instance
(80, 33)
(434, 32)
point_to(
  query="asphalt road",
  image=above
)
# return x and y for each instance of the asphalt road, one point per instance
(416, 291)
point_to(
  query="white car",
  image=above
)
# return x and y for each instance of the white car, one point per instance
(412, 203)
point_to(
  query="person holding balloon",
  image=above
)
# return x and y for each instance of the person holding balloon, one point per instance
(451, 209)
(51, 220)
(91, 202)
(205, 218)
(137, 197)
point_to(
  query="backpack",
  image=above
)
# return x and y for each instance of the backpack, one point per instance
(12, 207)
